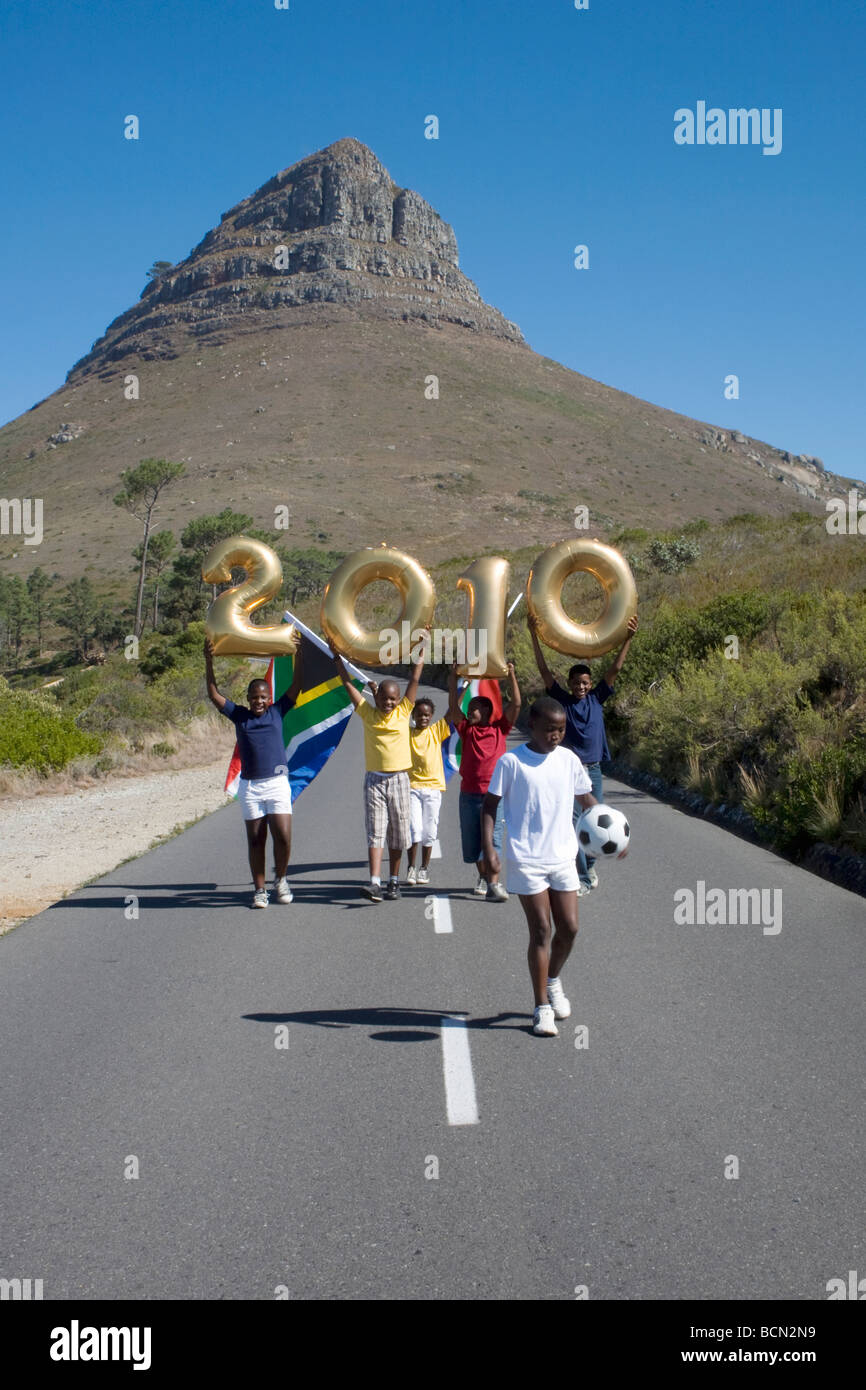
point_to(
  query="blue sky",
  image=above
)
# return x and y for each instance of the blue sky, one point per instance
(556, 128)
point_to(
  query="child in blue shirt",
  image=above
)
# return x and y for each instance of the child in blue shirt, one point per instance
(264, 792)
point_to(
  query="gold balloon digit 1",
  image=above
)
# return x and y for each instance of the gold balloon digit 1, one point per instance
(486, 583)
(339, 623)
(227, 622)
(544, 597)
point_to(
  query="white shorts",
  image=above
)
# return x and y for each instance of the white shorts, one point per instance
(534, 878)
(265, 796)
(424, 807)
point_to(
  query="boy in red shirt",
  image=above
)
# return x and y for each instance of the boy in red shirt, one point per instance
(483, 743)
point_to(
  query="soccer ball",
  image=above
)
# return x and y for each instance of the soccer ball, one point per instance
(603, 831)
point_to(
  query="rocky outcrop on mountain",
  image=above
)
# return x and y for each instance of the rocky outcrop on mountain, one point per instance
(333, 229)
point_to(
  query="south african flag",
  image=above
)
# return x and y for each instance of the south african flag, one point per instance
(451, 748)
(313, 727)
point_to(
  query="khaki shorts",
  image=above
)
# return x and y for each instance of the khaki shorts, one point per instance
(386, 810)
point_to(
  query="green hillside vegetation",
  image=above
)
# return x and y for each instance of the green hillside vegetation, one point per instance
(781, 730)
(35, 733)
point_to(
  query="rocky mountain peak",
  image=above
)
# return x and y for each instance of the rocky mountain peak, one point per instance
(333, 229)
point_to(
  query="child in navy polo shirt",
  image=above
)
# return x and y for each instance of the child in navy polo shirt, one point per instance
(264, 792)
(584, 725)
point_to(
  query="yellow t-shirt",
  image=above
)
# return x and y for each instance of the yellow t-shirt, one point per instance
(386, 737)
(427, 770)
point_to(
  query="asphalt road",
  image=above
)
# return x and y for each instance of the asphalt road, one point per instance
(311, 1166)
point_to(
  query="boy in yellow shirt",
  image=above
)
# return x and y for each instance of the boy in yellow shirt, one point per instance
(426, 785)
(386, 786)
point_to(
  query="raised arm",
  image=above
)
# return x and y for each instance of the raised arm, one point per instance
(512, 709)
(354, 693)
(455, 713)
(611, 674)
(414, 679)
(294, 689)
(543, 669)
(210, 679)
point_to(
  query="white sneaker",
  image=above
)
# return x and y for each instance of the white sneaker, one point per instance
(412, 875)
(593, 878)
(583, 889)
(260, 897)
(283, 891)
(542, 1022)
(480, 888)
(423, 876)
(496, 893)
(558, 1001)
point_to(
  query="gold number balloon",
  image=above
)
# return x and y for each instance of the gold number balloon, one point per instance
(544, 597)
(227, 622)
(486, 583)
(339, 623)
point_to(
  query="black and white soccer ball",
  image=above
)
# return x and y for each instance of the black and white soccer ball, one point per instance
(603, 831)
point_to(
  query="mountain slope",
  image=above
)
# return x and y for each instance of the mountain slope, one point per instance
(289, 360)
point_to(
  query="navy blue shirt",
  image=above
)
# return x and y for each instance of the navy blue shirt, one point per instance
(584, 721)
(260, 737)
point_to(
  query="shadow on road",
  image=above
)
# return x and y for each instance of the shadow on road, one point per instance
(174, 895)
(180, 895)
(403, 1023)
(213, 895)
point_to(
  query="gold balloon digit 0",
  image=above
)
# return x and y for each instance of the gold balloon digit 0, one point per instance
(227, 622)
(486, 583)
(363, 567)
(544, 597)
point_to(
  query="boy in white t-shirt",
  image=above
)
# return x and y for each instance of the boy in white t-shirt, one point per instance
(537, 784)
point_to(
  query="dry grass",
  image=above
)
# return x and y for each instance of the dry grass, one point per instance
(825, 822)
(753, 788)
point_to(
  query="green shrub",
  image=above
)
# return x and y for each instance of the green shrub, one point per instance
(721, 715)
(34, 734)
(813, 794)
(161, 653)
(830, 630)
(672, 556)
(157, 658)
(682, 633)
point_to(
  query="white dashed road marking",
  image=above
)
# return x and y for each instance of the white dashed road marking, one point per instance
(442, 915)
(457, 1066)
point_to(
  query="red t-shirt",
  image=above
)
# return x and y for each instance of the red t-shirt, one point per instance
(482, 747)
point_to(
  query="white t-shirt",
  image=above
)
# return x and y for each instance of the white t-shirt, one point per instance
(538, 791)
